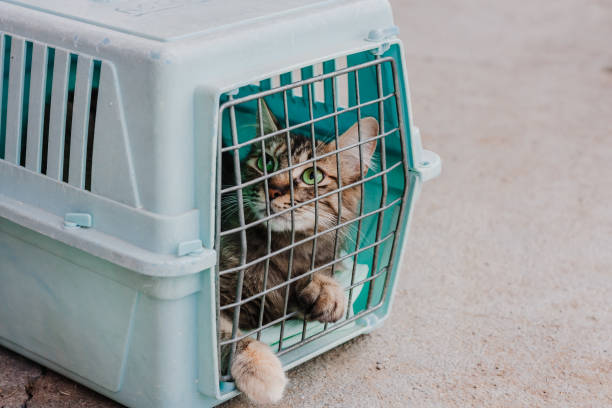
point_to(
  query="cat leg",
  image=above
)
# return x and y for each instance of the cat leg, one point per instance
(323, 299)
(257, 371)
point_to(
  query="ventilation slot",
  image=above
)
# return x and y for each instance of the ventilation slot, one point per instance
(5, 59)
(69, 109)
(47, 109)
(48, 102)
(24, 105)
(92, 123)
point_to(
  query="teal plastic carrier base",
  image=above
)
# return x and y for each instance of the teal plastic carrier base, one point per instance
(112, 121)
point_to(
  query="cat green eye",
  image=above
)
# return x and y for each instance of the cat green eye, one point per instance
(270, 164)
(311, 175)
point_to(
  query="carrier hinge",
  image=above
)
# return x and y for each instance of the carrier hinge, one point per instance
(78, 220)
(383, 36)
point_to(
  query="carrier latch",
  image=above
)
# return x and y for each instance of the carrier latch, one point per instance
(382, 35)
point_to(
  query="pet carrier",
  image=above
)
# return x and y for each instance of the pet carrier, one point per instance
(124, 125)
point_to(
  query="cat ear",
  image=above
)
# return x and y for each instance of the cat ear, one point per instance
(349, 159)
(269, 122)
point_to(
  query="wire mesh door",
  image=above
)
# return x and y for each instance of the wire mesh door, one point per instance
(308, 189)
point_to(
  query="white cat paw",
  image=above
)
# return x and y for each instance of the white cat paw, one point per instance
(258, 373)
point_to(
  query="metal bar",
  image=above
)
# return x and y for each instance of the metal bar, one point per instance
(383, 198)
(406, 166)
(318, 335)
(362, 202)
(302, 82)
(218, 242)
(300, 125)
(331, 329)
(374, 274)
(218, 249)
(338, 165)
(292, 209)
(274, 322)
(243, 238)
(338, 178)
(304, 240)
(302, 204)
(57, 117)
(14, 110)
(316, 269)
(268, 228)
(80, 122)
(308, 161)
(36, 108)
(366, 280)
(293, 314)
(313, 142)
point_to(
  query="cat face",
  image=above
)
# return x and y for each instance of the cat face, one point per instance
(299, 149)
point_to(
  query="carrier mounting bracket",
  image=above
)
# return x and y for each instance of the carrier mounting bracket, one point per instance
(76, 220)
(190, 248)
(428, 164)
(383, 36)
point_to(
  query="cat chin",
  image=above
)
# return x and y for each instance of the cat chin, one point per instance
(282, 223)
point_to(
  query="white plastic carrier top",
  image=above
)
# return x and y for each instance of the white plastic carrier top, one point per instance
(168, 20)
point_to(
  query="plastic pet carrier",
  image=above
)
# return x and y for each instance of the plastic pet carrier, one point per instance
(124, 125)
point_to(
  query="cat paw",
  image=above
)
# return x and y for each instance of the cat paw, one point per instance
(258, 373)
(323, 299)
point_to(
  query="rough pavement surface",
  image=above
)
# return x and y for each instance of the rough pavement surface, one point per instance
(505, 299)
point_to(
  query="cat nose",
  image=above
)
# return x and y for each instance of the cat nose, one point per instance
(274, 193)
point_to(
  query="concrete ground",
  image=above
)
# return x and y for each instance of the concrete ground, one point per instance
(505, 298)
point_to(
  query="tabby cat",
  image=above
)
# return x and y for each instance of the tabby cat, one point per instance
(257, 371)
